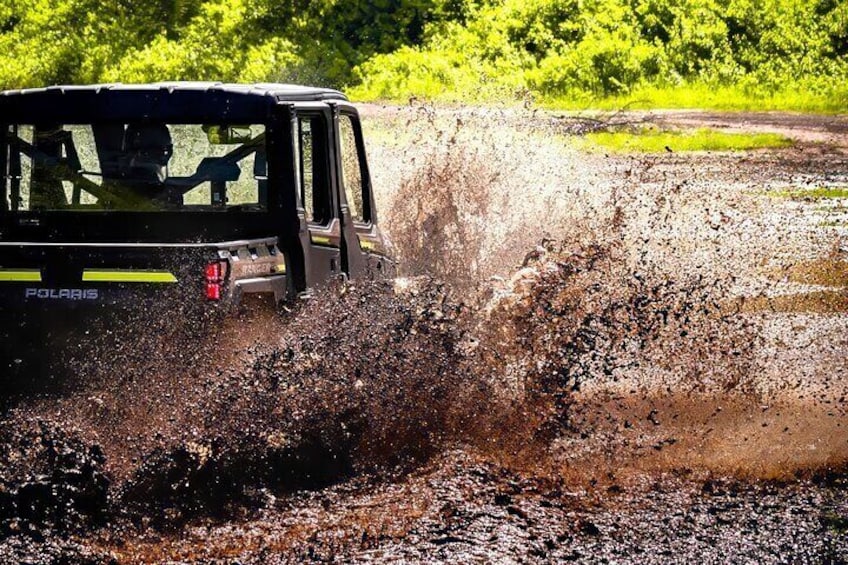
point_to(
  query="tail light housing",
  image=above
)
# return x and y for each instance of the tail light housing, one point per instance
(214, 279)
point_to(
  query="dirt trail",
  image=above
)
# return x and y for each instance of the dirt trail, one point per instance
(631, 359)
(830, 130)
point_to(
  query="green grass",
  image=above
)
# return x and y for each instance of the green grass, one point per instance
(706, 97)
(658, 141)
(821, 193)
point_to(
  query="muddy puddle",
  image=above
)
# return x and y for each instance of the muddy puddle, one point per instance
(589, 358)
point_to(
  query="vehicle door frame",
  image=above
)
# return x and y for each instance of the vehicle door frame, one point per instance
(361, 240)
(322, 243)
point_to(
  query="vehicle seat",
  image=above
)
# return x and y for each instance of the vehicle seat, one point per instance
(147, 148)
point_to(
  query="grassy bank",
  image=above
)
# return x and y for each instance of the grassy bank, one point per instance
(651, 140)
(819, 193)
(705, 97)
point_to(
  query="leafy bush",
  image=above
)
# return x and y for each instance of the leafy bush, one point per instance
(781, 53)
(777, 53)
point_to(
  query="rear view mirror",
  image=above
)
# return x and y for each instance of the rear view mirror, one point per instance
(227, 135)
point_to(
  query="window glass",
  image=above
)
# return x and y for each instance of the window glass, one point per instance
(313, 155)
(352, 170)
(135, 167)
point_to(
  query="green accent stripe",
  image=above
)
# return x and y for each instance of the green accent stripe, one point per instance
(126, 276)
(20, 275)
(320, 240)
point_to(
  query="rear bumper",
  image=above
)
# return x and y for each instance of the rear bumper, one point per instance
(276, 285)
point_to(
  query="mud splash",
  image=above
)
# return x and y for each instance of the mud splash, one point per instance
(544, 365)
(564, 375)
(357, 381)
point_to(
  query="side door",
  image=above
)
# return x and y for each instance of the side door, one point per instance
(314, 159)
(363, 251)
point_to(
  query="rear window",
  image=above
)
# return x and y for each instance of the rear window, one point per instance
(134, 167)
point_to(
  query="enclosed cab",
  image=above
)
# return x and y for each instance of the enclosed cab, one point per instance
(203, 192)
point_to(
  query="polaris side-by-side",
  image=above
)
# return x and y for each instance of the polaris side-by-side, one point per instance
(204, 191)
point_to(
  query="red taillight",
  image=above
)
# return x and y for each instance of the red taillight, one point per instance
(213, 272)
(213, 291)
(214, 280)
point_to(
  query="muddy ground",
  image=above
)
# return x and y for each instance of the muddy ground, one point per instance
(591, 357)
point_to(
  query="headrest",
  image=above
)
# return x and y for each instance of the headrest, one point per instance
(152, 138)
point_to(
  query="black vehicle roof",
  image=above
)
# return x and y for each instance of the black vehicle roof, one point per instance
(165, 101)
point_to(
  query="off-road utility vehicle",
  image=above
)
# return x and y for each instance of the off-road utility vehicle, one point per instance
(201, 191)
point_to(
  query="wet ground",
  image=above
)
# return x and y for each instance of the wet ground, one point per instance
(624, 359)
(459, 508)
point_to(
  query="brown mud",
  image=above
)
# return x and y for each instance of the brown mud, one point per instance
(591, 358)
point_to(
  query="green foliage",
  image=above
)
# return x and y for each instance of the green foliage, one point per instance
(572, 53)
(578, 53)
(218, 43)
(47, 42)
(320, 41)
